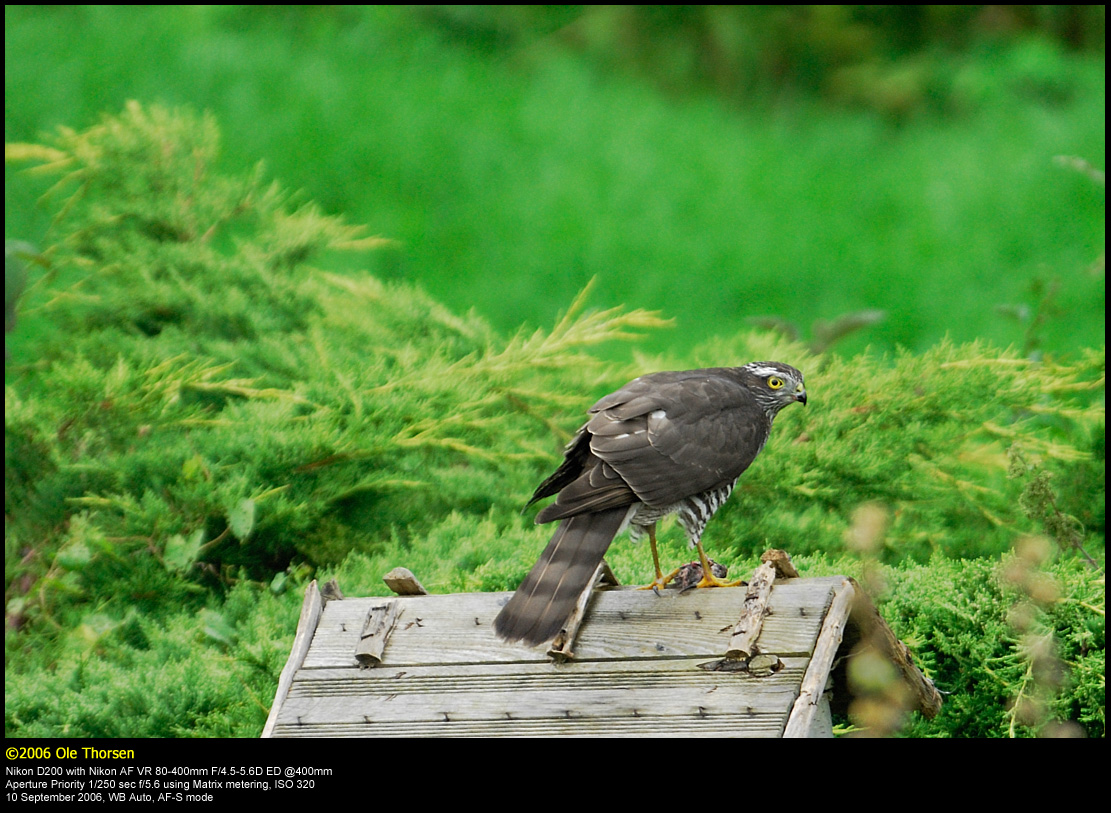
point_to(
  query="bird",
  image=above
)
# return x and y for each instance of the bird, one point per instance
(667, 442)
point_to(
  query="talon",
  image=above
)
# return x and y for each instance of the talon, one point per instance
(710, 573)
(661, 581)
(713, 581)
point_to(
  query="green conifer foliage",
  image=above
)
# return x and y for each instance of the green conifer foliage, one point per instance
(208, 398)
(200, 416)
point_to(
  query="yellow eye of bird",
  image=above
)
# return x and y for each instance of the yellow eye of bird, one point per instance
(775, 382)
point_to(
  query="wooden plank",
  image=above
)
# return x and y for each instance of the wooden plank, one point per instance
(620, 623)
(636, 670)
(742, 644)
(560, 647)
(821, 722)
(735, 725)
(813, 688)
(875, 633)
(630, 698)
(376, 633)
(306, 627)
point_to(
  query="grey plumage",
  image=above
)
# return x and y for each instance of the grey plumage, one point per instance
(548, 593)
(666, 442)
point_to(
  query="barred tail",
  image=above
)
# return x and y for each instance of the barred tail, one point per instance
(545, 599)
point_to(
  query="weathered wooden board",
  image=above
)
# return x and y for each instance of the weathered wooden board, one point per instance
(622, 623)
(636, 669)
(665, 697)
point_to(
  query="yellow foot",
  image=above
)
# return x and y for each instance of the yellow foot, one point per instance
(710, 580)
(661, 581)
(708, 573)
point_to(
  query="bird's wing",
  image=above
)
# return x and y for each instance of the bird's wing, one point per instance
(673, 435)
(595, 486)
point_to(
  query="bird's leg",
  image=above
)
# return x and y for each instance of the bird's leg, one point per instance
(708, 577)
(661, 581)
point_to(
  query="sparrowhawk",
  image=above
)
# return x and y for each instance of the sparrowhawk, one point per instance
(671, 442)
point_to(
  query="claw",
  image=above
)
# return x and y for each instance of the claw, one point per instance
(661, 581)
(709, 578)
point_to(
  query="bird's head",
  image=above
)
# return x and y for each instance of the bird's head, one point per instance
(775, 385)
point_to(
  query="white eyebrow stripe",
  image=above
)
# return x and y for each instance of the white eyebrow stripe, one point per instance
(765, 371)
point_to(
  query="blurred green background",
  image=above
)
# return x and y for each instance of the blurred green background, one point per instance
(195, 430)
(719, 164)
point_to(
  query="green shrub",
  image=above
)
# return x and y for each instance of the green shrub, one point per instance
(203, 418)
(214, 401)
(1017, 646)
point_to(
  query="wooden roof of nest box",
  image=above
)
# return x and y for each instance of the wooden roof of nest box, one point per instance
(767, 660)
